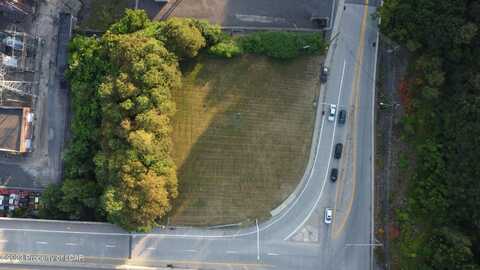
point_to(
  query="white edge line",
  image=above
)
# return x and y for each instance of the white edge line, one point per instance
(328, 165)
(372, 236)
(258, 241)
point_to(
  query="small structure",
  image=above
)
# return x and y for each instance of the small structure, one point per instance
(16, 129)
(319, 22)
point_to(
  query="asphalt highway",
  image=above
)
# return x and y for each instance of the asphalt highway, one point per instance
(296, 237)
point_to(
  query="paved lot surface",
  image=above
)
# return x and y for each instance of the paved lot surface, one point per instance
(253, 13)
(344, 244)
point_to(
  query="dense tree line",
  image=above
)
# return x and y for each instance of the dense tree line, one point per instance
(118, 165)
(440, 224)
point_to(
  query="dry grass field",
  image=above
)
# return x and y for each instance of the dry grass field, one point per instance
(242, 135)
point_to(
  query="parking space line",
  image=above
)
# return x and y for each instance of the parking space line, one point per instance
(41, 242)
(273, 254)
(232, 252)
(70, 244)
(110, 246)
(191, 250)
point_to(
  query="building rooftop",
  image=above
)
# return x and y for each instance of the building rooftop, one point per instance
(15, 126)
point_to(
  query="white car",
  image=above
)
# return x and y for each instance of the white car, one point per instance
(328, 215)
(12, 200)
(333, 111)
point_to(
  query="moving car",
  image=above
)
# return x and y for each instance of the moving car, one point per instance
(328, 215)
(338, 151)
(334, 174)
(324, 74)
(342, 117)
(332, 112)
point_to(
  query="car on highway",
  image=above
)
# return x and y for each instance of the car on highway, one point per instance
(334, 174)
(342, 116)
(338, 151)
(324, 74)
(328, 215)
(332, 112)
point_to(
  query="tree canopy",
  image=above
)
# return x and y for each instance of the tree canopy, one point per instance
(444, 128)
(118, 165)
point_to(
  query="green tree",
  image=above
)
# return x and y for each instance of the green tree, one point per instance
(50, 203)
(450, 250)
(182, 37)
(132, 21)
(79, 199)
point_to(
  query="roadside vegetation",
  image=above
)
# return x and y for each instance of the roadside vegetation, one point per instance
(119, 165)
(440, 218)
(280, 45)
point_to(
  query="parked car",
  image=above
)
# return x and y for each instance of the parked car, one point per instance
(15, 43)
(334, 174)
(342, 117)
(332, 112)
(324, 74)
(338, 151)
(36, 201)
(12, 201)
(328, 215)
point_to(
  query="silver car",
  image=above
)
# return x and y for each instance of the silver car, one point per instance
(328, 215)
(332, 112)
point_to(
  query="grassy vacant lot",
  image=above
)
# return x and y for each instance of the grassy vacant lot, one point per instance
(242, 136)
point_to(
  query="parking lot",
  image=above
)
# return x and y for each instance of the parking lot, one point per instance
(24, 202)
(249, 13)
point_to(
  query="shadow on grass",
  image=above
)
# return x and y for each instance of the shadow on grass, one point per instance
(242, 136)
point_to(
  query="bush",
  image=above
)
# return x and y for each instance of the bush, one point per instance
(227, 49)
(211, 32)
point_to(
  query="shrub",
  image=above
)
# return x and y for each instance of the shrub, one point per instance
(282, 45)
(227, 49)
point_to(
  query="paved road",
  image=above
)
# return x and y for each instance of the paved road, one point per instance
(296, 237)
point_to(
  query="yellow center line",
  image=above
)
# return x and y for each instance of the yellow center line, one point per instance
(355, 86)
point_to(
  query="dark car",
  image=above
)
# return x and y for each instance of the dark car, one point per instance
(338, 151)
(334, 174)
(324, 74)
(342, 117)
